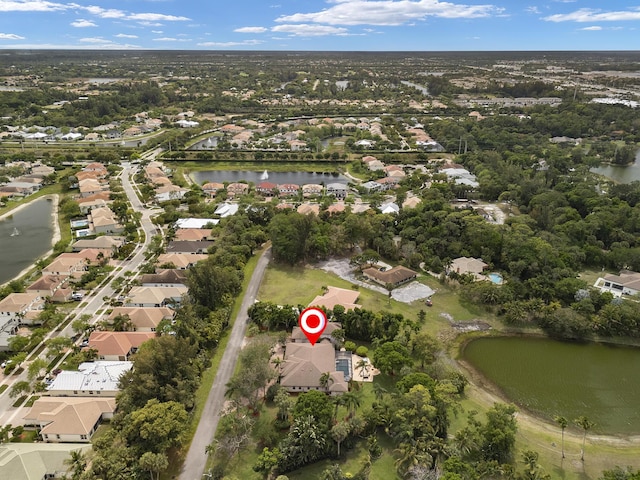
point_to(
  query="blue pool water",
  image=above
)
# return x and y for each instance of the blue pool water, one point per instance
(495, 278)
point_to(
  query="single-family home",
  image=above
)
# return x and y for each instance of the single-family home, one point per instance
(226, 209)
(466, 265)
(390, 208)
(335, 208)
(29, 461)
(171, 277)
(309, 209)
(337, 296)
(47, 285)
(96, 167)
(155, 296)
(395, 276)
(267, 189)
(19, 308)
(107, 244)
(192, 234)
(298, 336)
(103, 220)
(411, 202)
(90, 186)
(69, 420)
(117, 346)
(338, 190)
(304, 364)
(181, 261)
(180, 246)
(388, 183)
(234, 189)
(212, 188)
(144, 319)
(92, 379)
(311, 189)
(170, 192)
(626, 283)
(67, 267)
(195, 222)
(288, 189)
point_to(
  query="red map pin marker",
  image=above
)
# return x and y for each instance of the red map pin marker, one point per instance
(312, 322)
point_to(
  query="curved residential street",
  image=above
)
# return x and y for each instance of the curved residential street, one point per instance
(92, 303)
(195, 462)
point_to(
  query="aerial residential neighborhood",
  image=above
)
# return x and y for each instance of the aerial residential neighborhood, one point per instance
(463, 225)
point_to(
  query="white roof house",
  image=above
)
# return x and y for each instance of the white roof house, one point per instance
(92, 378)
(195, 222)
(391, 208)
(461, 176)
(226, 209)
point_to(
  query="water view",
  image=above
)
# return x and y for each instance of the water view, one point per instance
(620, 174)
(297, 178)
(550, 378)
(24, 237)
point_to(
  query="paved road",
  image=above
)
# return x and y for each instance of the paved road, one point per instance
(196, 460)
(91, 304)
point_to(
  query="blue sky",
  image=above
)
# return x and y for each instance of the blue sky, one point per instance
(419, 25)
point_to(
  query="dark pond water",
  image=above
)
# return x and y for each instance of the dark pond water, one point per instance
(297, 178)
(550, 378)
(34, 224)
(628, 174)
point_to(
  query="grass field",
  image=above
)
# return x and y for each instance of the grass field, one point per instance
(295, 285)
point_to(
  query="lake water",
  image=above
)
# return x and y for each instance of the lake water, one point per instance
(548, 378)
(297, 178)
(421, 88)
(35, 226)
(627, 174)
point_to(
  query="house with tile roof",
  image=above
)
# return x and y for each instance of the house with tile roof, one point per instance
(171, 277)
(155, 296)
(181, 261)
(117, 346)
(304, 364)
(192, 234)
(69, 420)
(144, 319)
(29, 461)
(466, 265)
(337, 296)
(395, 276)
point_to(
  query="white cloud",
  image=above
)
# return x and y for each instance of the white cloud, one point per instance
(10, 36)
(124, 35)
(230, 44)
(171, 39)
(80, 23)
(584, 15)
(157, 32)
(305, 30)
(31, 6)
(389, 12)
(250, 30)
(594, 28)
(105, 12)
(96, 40)
(532, 9)
(156, 17)
(151, 24)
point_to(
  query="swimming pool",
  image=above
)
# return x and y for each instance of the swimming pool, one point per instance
(496, 278)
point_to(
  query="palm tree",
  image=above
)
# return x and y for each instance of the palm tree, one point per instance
(584, 423)
(78, 463)
(326, 380)
(379, 391)
(352, 401)
(277, 362)
(563, 423)
(362, 365)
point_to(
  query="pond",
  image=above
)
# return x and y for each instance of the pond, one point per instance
(620, 174)
(548, 378)
(25, 236)
(297, 178)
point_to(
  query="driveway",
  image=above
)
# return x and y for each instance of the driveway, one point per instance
(406, 294)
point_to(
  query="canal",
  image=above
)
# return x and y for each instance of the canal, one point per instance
(297, 178)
